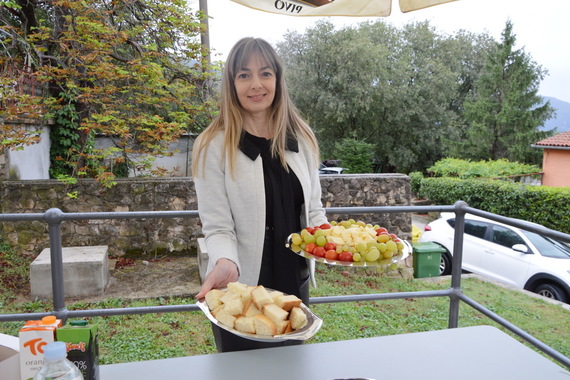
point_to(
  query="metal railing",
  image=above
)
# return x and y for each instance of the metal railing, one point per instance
(55, 217)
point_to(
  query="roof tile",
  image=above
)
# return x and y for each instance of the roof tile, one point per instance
(561, 139)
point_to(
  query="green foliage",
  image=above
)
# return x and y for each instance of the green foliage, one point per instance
(132, 71)
(355, 155)
(538, 204)
(454, 167)
(416, 179)
(403, 90)
(15, 270)
(505, 111)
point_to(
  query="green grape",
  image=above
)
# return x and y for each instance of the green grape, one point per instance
(319, 233)
(296, 239)
(382, 247)
(360, 247)
(373, 255)
(309, 239)
(356, 257)
(391, 246)
(321, 241)
(295, 248)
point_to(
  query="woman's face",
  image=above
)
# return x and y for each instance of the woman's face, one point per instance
(255, 85)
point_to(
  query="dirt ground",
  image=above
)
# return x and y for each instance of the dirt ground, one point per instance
(145, 278)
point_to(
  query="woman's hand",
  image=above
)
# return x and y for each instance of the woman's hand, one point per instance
(224, 272)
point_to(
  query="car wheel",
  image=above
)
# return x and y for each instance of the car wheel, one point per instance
(552, 291)
(445, 264)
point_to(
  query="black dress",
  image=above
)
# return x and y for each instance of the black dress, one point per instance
(281, 269)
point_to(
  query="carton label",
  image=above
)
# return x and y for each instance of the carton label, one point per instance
(32, 343)
(82, 348)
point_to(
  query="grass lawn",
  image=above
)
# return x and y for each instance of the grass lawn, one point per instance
(155, 336)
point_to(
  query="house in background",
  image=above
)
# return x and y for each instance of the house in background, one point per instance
(555, 160)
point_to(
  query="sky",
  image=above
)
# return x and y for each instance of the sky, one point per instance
(541, 27)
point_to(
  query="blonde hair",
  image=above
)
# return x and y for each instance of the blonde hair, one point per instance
(285, 118)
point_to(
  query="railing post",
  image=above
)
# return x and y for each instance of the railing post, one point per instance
(53, 217)
(457, 259)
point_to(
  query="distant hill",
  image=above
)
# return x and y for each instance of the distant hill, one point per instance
(561, 120)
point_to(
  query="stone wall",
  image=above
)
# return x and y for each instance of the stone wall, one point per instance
(168, 236)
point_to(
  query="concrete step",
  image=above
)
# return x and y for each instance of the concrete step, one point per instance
(85, 272)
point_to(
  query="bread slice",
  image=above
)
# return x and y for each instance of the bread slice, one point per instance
(264, 325)
(234, 306)
(217, 311)
(226, 319)
(283, 327)
(275, 313)
(287, 302)
(246, 296)
(260, 296)
(237, 287)
(275, 294)
(250, 309)
(298, 318)
(213, 298)
(228, 296)
(245, 324)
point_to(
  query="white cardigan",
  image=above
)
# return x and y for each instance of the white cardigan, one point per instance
(232, 210)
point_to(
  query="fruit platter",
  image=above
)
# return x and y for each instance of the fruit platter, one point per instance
(259, 313)
(349, 243)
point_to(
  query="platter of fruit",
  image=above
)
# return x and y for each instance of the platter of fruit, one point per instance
(260, 313)
(349, 243)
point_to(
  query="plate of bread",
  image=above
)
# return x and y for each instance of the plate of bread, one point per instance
(260, 313)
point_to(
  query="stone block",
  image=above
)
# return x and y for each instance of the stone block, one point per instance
(85, 272)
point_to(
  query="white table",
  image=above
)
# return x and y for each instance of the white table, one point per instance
(481, 353)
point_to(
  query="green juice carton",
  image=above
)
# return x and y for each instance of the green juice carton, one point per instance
(82, 344)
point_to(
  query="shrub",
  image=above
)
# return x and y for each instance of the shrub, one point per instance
(453, 167)
(355, 155)
(538, 204)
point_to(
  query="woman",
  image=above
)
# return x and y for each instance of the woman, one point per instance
(255, 169)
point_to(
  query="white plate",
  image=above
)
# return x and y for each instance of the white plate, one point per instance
(313, 325)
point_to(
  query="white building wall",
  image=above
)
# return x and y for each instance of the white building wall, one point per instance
(31, 162)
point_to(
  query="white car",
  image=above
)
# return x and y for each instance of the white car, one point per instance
(505, 253)
(323, 169)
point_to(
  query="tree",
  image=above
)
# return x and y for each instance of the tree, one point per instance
(400, 90)
(132, 70)
(505, 110)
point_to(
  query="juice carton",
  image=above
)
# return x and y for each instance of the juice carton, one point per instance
(82, 344)
(34, 335)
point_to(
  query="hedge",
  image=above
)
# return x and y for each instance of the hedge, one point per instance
(548, 206)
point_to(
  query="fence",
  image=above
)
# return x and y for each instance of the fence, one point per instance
(55, 217)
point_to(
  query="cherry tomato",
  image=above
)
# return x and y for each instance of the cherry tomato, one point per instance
(345, 256)
(310, 247)
(325, 226)
(331, 255)
(330, 246)
(319, 251)
(380, 230)
(310, 230)
(393, 236)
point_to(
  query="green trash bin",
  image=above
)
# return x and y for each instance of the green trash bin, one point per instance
(427, 257)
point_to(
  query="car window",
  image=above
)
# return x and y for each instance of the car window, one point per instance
(506, 237)
(548, 247)
(472, 227)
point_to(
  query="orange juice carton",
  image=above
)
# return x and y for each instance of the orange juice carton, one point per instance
(82, 344)
(34, 335)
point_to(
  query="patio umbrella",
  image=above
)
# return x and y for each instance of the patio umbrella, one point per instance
(364, 8)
